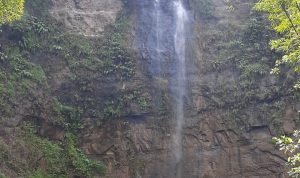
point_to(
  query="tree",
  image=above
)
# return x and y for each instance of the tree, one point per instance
(285, 18)
(11, 10)
(291, 146)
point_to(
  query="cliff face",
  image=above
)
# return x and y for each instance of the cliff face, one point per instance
(231, 108)
(90, 69)
(86, 17)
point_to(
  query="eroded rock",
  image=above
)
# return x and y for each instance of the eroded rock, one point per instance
(86, 17)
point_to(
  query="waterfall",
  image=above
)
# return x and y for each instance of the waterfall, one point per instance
(162, 39)
(158, 36)
(180, 86)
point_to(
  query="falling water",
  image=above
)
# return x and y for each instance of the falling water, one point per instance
(158, 34)
(169, 25)
(180, 87)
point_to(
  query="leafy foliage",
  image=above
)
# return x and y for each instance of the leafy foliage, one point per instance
(68, 117)
(205, 8)
(18, 77)
(120, 104)
(291, 147)
(285, 18)
(241, 49)
(23, 70)
(88, 60)
(53, 153)
(11, 10)
(255, 58)
(36, 174)
(60, 158)
(83, 165)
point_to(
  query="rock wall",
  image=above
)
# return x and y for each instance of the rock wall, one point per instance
(103, 86)
(228, 131)
(88, 18)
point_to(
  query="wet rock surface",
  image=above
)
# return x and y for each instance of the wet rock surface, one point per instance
(228, 127)
(215, 143)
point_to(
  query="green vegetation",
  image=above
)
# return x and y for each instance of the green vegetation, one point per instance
(89, 60)
(36, 174)
(18, 77)
(290, 146)
(2, 175)
(105, 55)
(241, 55)
(255, 58)
(120, 104)
(61, 158)
(41, 157)
(106, 61)
(285, 17)
(82, 164)
(67, 116)
(241, 51)
(204, 8)
(11, 10)
(163, 109)
(28, 46)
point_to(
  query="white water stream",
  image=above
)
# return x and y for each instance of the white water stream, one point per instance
(158, 35)
(178, 84)
(180, 87)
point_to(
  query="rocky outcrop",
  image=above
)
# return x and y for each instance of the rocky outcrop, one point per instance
(228, 128)
(232, 109)
(88, 18)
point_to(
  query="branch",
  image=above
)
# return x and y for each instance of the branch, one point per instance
(288, 16)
